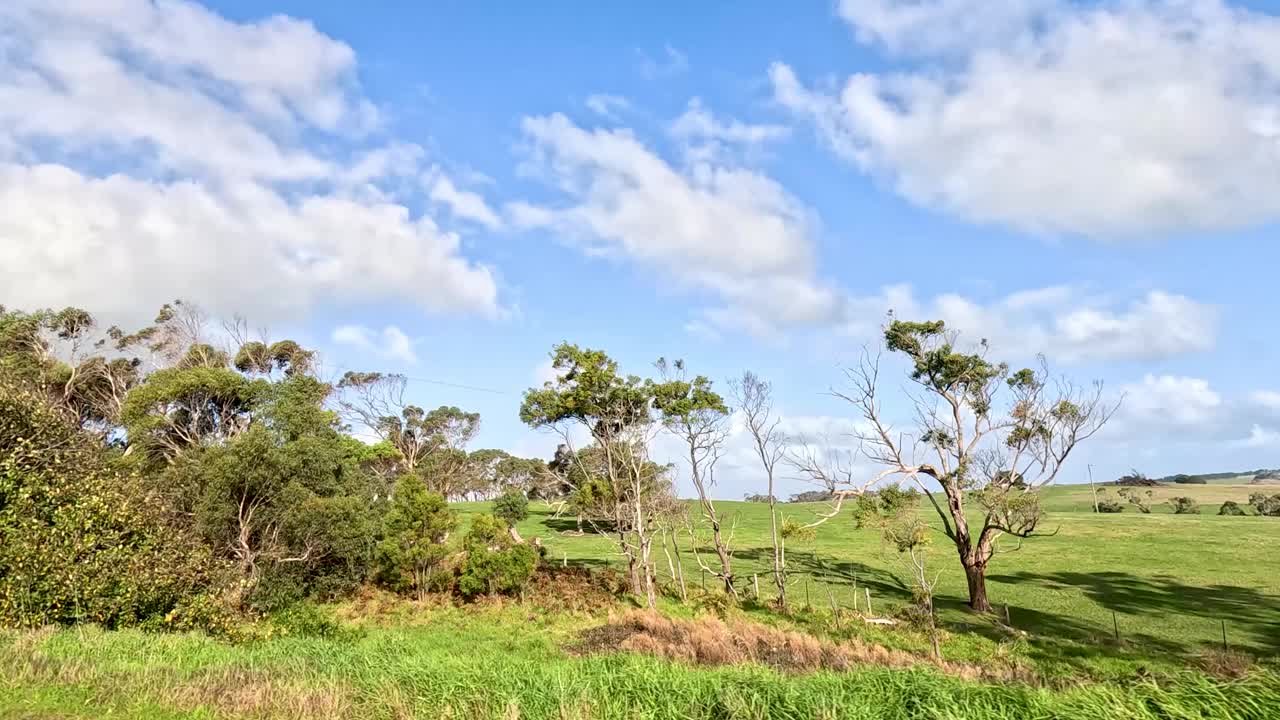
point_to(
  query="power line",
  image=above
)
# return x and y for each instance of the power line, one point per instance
(443, 383)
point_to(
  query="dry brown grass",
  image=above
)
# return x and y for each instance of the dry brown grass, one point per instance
(709, 641)
(1228, 664)
(239, 693)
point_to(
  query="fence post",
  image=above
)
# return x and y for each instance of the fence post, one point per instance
(755, 585)
(807, 604)
(868, 591)
(1225, 647)
(835, 609)
(1115, 624)
(704, 581)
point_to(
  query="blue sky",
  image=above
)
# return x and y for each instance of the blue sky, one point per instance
(448, 189)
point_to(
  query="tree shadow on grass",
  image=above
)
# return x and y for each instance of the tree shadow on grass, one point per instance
(1252, 616)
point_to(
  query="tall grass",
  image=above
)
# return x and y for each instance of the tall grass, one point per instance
(494, 668)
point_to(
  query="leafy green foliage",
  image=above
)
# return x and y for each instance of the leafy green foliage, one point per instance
(413, 550)
(1184, 505)
(79, 542)
(494, 564)
(1231, 507)
(511, 507)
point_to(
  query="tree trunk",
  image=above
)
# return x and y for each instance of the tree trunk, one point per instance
(515, 535)
(779, 561)
(722, 552)
(976, 574)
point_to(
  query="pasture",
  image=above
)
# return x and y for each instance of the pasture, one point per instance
(1168, 583)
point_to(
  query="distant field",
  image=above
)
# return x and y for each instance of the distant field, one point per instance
(1079, 498)
(1170, 580)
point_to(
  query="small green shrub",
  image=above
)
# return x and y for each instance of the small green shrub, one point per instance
(1108, 504)
(306, 620)
(512, 507)
(1231, 507)
(494, 564)
(1184, 505)
(413, 547)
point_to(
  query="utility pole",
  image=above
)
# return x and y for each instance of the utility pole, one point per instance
(1093, 489)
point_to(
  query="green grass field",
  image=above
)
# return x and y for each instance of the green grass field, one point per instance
(1170, 583)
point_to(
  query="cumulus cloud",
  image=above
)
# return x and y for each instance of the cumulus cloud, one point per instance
(1063, 323)
(390, 343)
(1104, 119)
(711, 226)
(154, 150)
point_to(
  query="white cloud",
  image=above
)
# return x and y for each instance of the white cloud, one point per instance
(1105, 119)
(1268, 400)
(1260, 437)
(607, 106)
(699, 123)
(391, 343)
(463, 203)
(1169, 400)
(710, 226)
(155, 150)
(928, 27)
(1061, 322)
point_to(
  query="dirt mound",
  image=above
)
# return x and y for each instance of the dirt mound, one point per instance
(713, 642)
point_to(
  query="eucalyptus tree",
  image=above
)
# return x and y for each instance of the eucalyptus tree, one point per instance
(697, 415)
(616, 486)
(430, 443)
(983, 436)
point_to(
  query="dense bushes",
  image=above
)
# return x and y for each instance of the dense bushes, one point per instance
(1265, 505)
(1231, 507)
(80, 541)
(1184, 505)
(494, 563)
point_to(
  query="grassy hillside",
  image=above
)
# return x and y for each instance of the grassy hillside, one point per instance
(507, 664)
(1170, 580)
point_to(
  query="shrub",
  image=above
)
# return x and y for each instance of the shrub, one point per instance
(512, 507)
(1231, 507)
(1139, 499)
(80, 542)
(494, 563)
(1184, 505)
(1108, 504)
(1266, 505)
(416, 526)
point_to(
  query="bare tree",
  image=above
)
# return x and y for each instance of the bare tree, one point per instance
(963, 449)
(754, 398)
(697, 415)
